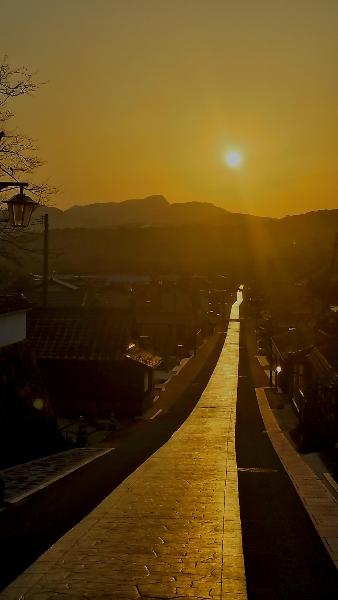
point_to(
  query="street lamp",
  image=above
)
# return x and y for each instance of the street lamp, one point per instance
(20, 210)
(20, 207)
(278, 370)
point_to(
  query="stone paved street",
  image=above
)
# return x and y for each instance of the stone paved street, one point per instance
(172, 528)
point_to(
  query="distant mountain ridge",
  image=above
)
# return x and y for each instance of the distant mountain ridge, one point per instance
(145, 212)
(156, 211)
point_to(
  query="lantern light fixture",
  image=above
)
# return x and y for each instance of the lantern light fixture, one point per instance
(20, 207)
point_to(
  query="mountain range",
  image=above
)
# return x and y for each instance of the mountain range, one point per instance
(156, 211)
(145, 212)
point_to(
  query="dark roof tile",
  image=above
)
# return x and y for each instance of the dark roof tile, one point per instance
(83, 334)
(293, 340)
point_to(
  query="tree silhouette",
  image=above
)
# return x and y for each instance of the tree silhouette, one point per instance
(18, 152)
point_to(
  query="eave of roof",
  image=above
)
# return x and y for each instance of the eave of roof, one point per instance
(143, 357)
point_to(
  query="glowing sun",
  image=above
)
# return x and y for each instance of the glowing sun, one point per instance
(233, 159)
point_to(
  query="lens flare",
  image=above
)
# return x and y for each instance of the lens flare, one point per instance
(38, 403)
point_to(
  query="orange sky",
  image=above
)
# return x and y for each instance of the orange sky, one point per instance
(146, 96)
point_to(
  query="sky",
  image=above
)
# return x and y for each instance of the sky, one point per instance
(148, 96)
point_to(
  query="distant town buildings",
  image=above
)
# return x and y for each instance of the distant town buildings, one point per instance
(99, 341)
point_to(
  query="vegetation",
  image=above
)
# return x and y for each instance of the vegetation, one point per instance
(18, 156)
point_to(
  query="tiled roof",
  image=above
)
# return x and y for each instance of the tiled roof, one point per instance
(143, 357)
(59, 296)
(329, 351)
(325, 363)
(83, 333)
(293, 340)
(13, 304)
(328, 322)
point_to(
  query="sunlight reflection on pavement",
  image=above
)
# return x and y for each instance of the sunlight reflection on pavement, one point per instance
(172, 528)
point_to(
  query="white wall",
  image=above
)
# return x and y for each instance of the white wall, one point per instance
(12, 328)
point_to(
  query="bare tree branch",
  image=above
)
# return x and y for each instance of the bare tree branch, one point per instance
(18, 153)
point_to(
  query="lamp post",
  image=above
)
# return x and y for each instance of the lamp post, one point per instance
(45, 261)
(20, 207)
(271, 358)
(278, 370)
(20, 210)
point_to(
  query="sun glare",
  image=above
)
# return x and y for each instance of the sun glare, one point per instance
(233, 159)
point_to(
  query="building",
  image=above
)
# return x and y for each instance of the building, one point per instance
(314, 392)
(60, 292)
(309, 376)
(285, 348)
(13, 311)
(168, 315)
(91, 363)
(27, 426)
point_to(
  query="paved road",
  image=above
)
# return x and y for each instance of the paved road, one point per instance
(29, 528)
(284, 556)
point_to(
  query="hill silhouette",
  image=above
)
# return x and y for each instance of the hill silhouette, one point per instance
(152, 211)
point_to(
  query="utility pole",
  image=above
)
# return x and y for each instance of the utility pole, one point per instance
(45, 261)
(175, 317)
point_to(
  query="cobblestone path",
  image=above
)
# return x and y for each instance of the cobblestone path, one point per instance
(172, 529)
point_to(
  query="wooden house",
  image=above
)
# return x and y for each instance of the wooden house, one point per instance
(90, 362)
